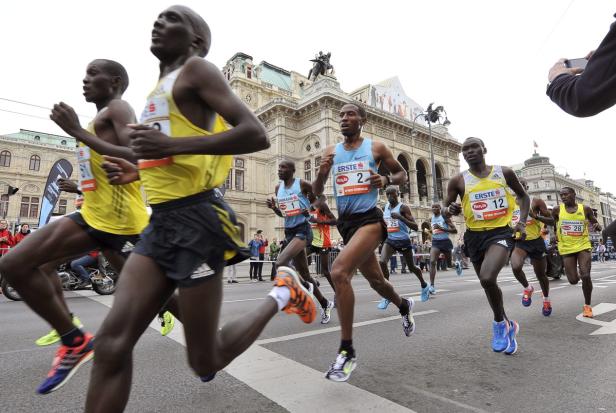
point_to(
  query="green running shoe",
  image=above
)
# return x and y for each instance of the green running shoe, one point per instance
(167, 322)
(53, 337)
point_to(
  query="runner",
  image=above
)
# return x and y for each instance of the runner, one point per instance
(111, 218)
(572, 229)
(441, 228)
(192, 233)
(360, 222)
(293, 204)
(488, 207)
(399, 221)
(321, 219)
(534, 247)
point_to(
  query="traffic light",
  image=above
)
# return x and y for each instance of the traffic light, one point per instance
(12, 190)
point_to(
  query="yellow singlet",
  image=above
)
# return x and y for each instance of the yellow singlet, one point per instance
(572, 231)
(116, 209)
(487, 204)
(182, 175)
(533, 226)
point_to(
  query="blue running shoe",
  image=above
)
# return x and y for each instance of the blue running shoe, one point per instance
(500, 338)
(207, 378)
(527, 296)
(425, 293)
(66, 363)
(547, 308)
(458, 268)
(514, 329)
(382, 305)
(432, 290)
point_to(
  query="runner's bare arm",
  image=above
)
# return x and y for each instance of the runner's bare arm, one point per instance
(590, 216)
(452, 228)
(455, 188)
(521, 196)
(271, 203)
(407, 217)
(119, 113)
(543, 214)
(327, 161)
(397, 174)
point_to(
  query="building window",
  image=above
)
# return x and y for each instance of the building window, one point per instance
(35, 163)
(29, 207)
(249, 72)
(63, 142)
(227, 183)
(239, 163)
(317, 164)
(307, 165)
(4, 205)
(5, 158)
(37, 138)
(307, 176)
(549, 197)
(239, 180)
(62, 206)
(536, 185)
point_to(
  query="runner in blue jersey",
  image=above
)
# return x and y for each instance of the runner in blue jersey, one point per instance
(293, 205)
(353, 164)
(441, 228)
(399, 221)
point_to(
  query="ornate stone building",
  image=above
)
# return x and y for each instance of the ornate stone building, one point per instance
(301, 118)
(25, 160)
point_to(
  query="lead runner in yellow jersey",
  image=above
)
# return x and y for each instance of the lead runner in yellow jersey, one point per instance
(573, 221)
(488, 208)
(184, 149)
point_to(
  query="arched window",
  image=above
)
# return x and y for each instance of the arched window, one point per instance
(4, 205)
(405, 188)
(5, 158)
(439, 181)
(35, 163)
(422, 185)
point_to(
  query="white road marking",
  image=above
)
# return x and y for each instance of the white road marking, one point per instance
(607, 327)
(292, 385)
(442, 399)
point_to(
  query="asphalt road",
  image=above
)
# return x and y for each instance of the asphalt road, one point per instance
(564, 363)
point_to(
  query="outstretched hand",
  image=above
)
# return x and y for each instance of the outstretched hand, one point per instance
(120, 171)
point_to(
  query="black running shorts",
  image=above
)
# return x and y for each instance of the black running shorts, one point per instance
(301, 231)
(400, 245)
(115, 242)
(349, 224)
(188, 238)
(535, 248)
(476, 243)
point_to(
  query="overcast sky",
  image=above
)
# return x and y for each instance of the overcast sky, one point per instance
(486, 62)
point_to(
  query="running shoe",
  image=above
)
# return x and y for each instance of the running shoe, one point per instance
(500, 336)
(587, 311)
(326, 313)
(53, 337)
(458, 268)
(382, 305)
(301, 301)
(514, 329)
(425, 293)
(167, 322)
(207, 378)
(432, 290)
(66, 362)
(527, 296)
(547, 308)
(342, 368)
(408, 322)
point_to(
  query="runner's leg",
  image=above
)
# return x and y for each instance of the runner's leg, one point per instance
(386, 252)
(493, 261)
(584, 261)
(434, 254)
(517, 262)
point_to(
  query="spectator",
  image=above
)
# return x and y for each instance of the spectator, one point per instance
(6, 238)
(273, 256)
(254, 246)
(601, 251)
(264, 244)
(231, 274)
(78, 265)
(24, 230)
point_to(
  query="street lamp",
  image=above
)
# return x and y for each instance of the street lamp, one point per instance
(433, 116)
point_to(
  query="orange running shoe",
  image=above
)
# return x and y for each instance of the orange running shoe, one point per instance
(301, 301)
(587, 311)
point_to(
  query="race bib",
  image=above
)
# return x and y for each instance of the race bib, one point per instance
(290, 205)
(572, 228)
(313, 225)
(436, 230)
(87, 182)
(392, 225)
(516, 218)
(156, 115)
(352, 178)
(489, 205)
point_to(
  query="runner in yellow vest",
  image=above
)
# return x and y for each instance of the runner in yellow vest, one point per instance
(185, 149)
(534, 247)
(573, 221)
(488, 208)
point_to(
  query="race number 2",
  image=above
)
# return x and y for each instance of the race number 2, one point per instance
(352, 178)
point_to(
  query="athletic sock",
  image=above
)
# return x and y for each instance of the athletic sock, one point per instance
(347, 345)
(282, 295)
(73, 338)
(404, 307)
(528, 288)
(546, 298)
